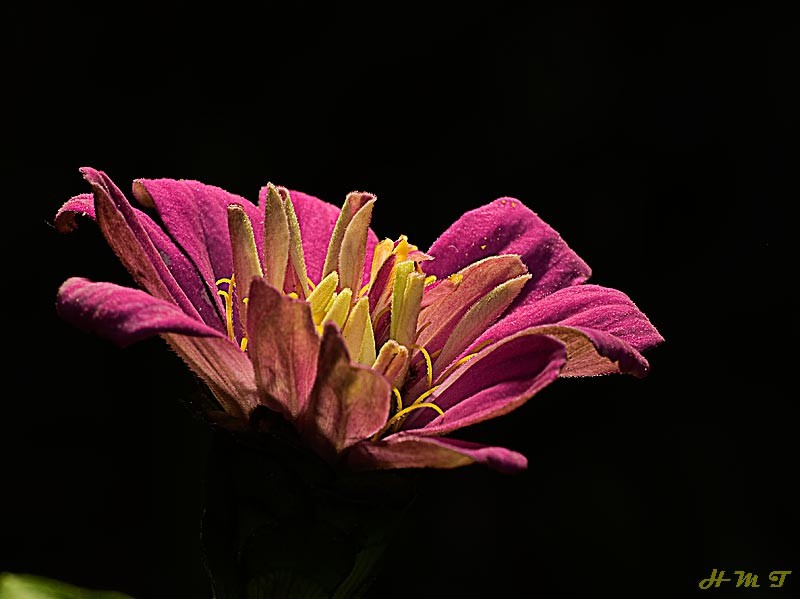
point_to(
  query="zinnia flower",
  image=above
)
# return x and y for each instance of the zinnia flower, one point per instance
(373, 350)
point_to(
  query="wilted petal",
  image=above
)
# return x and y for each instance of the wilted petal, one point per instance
(121, 314)
(603, 329)
(283, 345)
(407, 450)
(349, 402)
(506, 226)
(498, 380)
(80, 205)
(126, 235)
(184, 271)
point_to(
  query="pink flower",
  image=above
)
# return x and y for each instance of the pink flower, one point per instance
(372, 350)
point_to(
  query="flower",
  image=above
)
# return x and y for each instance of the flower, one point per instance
(373, 350)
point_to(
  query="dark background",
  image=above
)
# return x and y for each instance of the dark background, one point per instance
(654, 140)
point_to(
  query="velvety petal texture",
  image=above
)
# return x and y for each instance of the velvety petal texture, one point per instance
(603, 329)
(265, 303)
(507, 226)
(123, 315)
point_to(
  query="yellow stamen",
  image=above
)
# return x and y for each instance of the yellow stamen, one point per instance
(396, 392)
(364, 289)
(293, 295)
(430, 280)
(428, 363)
(456, 278)
(402, 414)
(224, 280)
(465, 359)
(243, 344)
(228, 313)
(425, 395)
(311, 283)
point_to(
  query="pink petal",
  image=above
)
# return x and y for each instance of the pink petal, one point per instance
(349, 402)
(121, 314)
(602, 327)
(185, 273)
(80, 205)
(407, 450)
(127, 236)
(506, 226)
(283, 345)
(498, 380)
(196, 217)
(126, 315)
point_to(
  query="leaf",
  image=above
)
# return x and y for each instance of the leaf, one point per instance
(25, 586)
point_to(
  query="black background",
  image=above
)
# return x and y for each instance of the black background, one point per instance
(654, 140)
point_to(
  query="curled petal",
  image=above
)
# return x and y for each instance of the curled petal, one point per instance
(407, 450)
(125, 233)
(507, 226)
(185, 273)
(80, 205)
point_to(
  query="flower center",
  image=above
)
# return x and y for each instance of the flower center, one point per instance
(378, 318)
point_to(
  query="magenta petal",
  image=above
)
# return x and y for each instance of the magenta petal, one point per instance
(196, 217)
(407, 450)
(498, 380)
(121, 314)
(185, 273)
(283, 345)
(80, 205)
(127, 236)
(506, 226)
(349, 402)
(588, 306)
(317, 220)
(602, 327)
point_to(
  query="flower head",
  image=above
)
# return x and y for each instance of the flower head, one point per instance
(373, 350)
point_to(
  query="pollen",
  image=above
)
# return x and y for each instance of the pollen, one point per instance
(456, 278)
